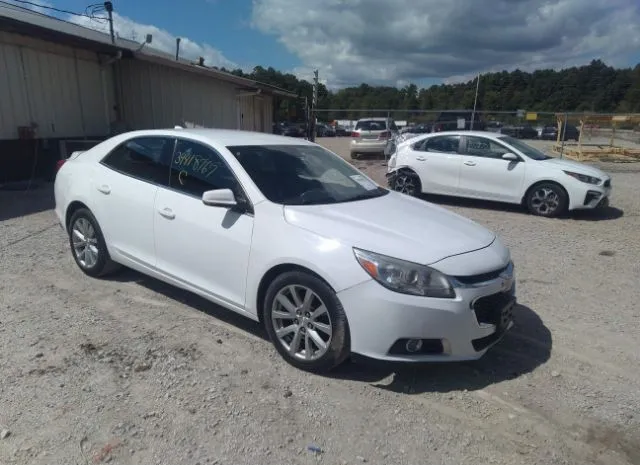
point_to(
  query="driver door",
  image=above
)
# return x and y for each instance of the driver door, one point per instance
(205, 248)
(484, 174)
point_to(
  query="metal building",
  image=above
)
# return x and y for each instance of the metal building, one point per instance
(64, 87)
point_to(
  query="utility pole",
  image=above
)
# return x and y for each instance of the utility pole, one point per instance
(475, 102)
(177, 48)
(109, 7)
(314, 103)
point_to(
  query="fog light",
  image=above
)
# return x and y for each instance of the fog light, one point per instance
(413, 345)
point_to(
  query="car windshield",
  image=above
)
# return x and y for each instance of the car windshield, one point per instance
(304, 175)
(529, 151)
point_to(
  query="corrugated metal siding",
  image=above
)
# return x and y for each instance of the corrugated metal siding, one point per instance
(155, 96)
(63, 90)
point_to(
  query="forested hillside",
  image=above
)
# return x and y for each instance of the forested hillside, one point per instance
(594, 88)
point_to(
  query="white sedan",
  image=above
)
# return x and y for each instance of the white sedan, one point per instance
(291, 235)
(490, 166)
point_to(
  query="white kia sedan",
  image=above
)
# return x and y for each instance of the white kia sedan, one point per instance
(491, 166)
(291, 235)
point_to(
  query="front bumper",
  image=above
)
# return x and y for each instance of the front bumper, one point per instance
(590, 197)
(382, 321)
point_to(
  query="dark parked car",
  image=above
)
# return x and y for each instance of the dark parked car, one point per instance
(424, 128)
(289, 129)
(520, 132)
(448, 121)
(551, 133)
(341, 132)
(324, 130)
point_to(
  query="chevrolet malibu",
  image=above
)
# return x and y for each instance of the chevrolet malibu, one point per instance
(291, 235)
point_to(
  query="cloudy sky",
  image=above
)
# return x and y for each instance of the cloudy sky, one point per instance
(382, 41)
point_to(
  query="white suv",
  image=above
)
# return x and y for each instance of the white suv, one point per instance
(371, 135)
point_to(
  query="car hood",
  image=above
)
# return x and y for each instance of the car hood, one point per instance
(395, 225)
(575, 166)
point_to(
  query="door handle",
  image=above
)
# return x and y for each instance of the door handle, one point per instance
(470, 163)
(420, 158)
(167, 213)
(104, 189)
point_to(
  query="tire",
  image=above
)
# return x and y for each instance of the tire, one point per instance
(355, 155)
(330, 326)
(407, 182)
(547, 199)
(84, 224)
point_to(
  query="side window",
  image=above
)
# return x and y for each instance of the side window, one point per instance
(441, 144)
(393, 126)
(144, 158)
(483, 147)
(196, 168)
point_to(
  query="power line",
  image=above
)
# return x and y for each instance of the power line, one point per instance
(25, 2)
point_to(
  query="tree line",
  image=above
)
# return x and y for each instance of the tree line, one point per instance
(595, 87)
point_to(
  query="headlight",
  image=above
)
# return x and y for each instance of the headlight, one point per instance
(583, 177)
(405, 277)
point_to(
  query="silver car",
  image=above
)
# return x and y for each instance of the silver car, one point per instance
(371, 135)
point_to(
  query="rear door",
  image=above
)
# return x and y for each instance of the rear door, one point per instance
(437, 162)
(484, 174)
(127, 183)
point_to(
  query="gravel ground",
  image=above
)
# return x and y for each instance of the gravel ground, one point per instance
(130, 371)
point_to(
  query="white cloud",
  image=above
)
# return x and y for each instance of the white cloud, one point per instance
(391, 42)
(39, 7)
(163, 40)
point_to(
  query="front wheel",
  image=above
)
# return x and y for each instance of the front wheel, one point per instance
(547, 199)
(306, 322)
(406, 183)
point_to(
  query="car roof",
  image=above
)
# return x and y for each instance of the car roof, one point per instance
(225, 137)
(376, 118)
(489, 134)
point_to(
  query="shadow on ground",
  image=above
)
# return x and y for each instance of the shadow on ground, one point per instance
(17, 201)
(522, 350)
(603, 214)
(192, 300)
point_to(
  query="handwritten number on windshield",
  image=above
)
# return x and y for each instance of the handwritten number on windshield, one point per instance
(196, 164)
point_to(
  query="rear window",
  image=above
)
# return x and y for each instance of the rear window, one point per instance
(371, 125)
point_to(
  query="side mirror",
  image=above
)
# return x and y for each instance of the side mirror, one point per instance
(220, 198)
(510, 157)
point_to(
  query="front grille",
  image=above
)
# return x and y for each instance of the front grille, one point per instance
(497, 310)
(481, 278)
(488, 309)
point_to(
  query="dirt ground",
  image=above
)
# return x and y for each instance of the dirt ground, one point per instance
(130, 371)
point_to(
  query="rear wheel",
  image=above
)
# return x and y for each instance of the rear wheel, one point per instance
(547, 199)
(88, 246)
(306, 322)
(355, 155)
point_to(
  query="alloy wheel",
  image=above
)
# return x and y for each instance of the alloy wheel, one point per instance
(85, 243)
(545, 201)
(301, 322)
(405, 184)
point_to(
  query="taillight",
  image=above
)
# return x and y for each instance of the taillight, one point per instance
(355, 134)
(384, 135)
(59, 164)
